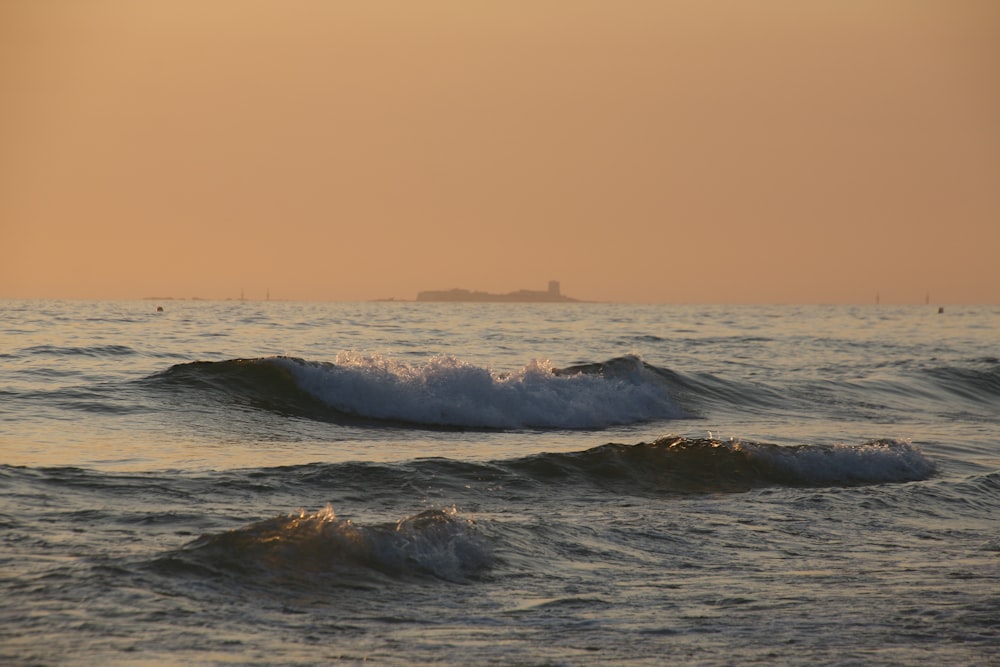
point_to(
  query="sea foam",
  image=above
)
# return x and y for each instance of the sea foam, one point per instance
(885, 460)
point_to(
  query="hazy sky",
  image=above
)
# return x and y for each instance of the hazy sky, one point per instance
(670, 151)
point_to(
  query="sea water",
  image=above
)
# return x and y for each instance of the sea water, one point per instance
(542, 484)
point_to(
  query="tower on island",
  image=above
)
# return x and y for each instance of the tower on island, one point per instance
(554, 287)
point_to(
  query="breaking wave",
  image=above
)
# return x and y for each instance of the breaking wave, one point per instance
(444, 392)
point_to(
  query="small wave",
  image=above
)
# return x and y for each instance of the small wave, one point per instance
(88, 351)
(666, 466)
(435, 543)
(444, 392)
(978, 382)
(674, 464)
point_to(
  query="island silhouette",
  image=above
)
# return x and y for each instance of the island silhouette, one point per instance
(551, 295)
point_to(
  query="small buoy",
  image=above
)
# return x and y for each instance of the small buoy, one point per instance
(159, 309)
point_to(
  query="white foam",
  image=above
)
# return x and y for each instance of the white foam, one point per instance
(872, 462)
(446, 391)
(435, 541)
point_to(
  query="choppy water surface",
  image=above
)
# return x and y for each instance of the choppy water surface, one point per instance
(295, 483)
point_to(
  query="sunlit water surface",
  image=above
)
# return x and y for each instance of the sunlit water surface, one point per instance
(402, 483)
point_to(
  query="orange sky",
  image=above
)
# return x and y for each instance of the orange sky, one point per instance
(650, 150)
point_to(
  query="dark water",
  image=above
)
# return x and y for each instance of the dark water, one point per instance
(292, 483)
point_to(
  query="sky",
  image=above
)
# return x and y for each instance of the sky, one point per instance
(664, 151)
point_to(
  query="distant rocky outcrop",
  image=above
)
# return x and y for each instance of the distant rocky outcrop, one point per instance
(551, 295)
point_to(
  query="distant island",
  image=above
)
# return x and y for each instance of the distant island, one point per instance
(551, 295)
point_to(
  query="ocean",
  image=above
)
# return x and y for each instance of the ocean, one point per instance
(393, 483)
